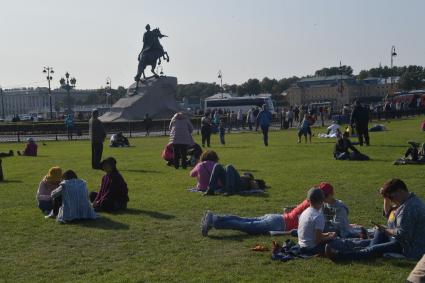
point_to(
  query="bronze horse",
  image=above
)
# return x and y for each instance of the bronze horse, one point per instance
(151, 56)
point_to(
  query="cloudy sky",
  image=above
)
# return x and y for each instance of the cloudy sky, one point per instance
(94, 39)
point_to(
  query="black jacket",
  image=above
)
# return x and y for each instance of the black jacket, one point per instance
(359, 116)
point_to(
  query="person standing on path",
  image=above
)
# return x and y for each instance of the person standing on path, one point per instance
(148, 124)
(69, 124)
(264, 119)
(97, 137)
(181, 138)
(206, 129)
(360, 118)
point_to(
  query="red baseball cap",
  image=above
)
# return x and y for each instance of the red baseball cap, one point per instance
(326, 188)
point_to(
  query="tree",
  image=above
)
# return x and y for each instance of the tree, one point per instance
(332, 71)
(412, 78)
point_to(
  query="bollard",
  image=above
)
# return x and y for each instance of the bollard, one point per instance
(1, 171)
(129, 128)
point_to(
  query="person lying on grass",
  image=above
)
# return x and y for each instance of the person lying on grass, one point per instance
(70, 200)
(30, 148)
(342, 149)
(49, 183)
(286, 222)
(8, 154)
(203, 170)
(113, 194)
(228, 181)
(405, 233)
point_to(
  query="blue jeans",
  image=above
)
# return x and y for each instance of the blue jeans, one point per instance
(228, 176)
(380, 244)
(337, 244)
(222, 133)
(265, 130)
(256, 225)
(45, 205)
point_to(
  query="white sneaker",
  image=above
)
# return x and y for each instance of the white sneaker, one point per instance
(50, 215)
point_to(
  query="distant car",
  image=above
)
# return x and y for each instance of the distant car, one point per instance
(25, 117)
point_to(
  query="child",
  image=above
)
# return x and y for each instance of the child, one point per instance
(304, 128)
(71, 200)
(113, 194)
(203, 169)
(49, 183)
(30, 148)
(222, 131)
(311, 238)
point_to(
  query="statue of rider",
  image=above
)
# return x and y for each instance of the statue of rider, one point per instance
(148, 40)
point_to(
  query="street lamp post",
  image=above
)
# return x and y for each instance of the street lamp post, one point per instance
(49, 70)
(68, 84)
(108, 87)
(220, 76)
(2, 103)
(393, 54)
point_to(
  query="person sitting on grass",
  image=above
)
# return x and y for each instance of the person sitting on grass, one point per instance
(228, 181)
(8, 154)
(415, 152)
(405, 232)
(332, 131)
(113, 193)
(203, 170)
(118, 140)
(336, 215)
(49, 183)
(342, 147)
(30, 148)
(70, 200)
(311, 238)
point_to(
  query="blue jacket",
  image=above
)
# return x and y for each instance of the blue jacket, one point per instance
(410, 227)
(264, 118)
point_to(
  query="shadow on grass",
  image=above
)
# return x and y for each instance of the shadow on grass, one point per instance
(141, 171)
(389, 145)
(238, 237)
(11, 181)
(101, 223)
(247, 170)
(153, 214)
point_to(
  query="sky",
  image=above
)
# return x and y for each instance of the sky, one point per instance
(96, 39)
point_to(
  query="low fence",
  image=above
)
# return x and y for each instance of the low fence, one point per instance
(20, 131)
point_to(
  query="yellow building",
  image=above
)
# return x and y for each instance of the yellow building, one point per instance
(338, 90)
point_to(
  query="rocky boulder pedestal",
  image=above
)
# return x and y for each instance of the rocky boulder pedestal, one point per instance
(155, 96)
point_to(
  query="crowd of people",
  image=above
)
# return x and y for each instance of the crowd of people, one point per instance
(320, 221)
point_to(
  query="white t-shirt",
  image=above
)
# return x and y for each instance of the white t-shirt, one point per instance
(310, 221)
(333, 129)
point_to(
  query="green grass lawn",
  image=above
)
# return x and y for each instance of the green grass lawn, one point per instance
(159, 240)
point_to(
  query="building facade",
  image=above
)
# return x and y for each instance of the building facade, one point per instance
(24, 101)
(338, 90)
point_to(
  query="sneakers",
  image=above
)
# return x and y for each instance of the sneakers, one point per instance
(206, 223)
(50, 215)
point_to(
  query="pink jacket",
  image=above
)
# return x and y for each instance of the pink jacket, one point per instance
(45, 189)
(202, 171)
